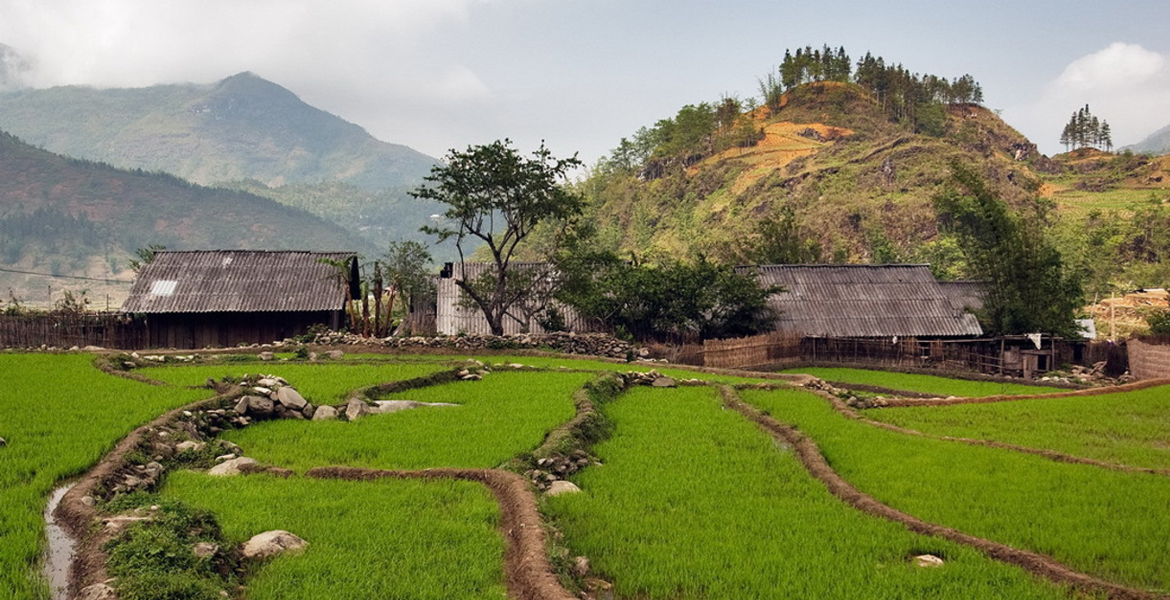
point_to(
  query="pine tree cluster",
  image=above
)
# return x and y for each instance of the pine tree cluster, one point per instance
(1084, 129)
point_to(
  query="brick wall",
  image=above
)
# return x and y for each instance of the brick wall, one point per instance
(1148, 361)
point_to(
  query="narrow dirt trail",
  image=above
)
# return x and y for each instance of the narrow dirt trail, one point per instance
(810, 456)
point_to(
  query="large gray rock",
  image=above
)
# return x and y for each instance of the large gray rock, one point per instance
(335, 354)
(927, 561)
(355, 409)
(271, 543)
(562, 487)
(665, 382)
(260, 406)
(393, 406)
(231, 467)
(325, 413)
(266, 356)
(290, 398)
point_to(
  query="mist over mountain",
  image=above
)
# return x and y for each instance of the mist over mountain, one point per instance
(1155, 143)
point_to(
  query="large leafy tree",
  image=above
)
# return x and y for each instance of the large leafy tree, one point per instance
(1028, 288)
(496, 197)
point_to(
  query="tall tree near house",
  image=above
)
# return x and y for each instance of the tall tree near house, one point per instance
(497, 197)
(406, 271)
(1029, 289)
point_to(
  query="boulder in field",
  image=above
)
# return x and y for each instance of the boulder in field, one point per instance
(562, 487)
(325, 413)
(356, 408)
(233, 466)
(271, 543)
(290, 398)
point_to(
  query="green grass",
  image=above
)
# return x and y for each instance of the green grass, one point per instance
(499, 417)
(1129, 428)
(367, 540)
(1106, 523)
(325, 383)
(694, 501)
(59, 415)
(927, 384)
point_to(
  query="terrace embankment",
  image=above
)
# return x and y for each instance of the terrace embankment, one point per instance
(528, 573)
(810, 456)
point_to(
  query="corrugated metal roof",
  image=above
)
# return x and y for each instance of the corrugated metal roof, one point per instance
(964, 294)
(237, 281)
(863, 301)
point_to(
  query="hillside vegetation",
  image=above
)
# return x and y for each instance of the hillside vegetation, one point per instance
(70, 217)
(827, 170)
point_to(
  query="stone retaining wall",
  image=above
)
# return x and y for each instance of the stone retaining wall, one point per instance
(1148, 360)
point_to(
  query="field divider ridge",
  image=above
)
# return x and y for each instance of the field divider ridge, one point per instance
(1100, 391)
(809, 454)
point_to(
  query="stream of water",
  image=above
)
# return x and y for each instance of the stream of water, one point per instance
(59, 554)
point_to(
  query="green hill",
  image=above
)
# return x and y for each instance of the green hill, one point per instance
(64, 216)
(241, 129)
(1155, 143)
(830, 168)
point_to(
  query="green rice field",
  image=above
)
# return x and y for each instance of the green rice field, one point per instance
(1125, 428)
(692, 501)
(1107, 523)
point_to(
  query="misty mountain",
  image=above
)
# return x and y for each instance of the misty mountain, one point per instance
(64, 216)
(1155, 143)
(243, 127)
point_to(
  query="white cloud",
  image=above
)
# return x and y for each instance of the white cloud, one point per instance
(1124, 84)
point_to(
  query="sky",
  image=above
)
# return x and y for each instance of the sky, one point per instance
(581, 74)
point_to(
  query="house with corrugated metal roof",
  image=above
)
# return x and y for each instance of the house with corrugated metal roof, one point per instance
(863, 301)
(455, 315)
(222, 298)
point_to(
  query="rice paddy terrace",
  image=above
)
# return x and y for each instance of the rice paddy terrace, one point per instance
(684, 484)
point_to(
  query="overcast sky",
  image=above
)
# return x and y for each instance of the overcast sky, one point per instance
(581, 74)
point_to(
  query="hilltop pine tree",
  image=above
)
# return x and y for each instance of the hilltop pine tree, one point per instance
(1085, 130)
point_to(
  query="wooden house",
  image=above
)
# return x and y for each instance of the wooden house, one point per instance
(863, 301)
(222, 298)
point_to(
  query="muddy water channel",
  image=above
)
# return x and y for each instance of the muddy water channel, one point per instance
(60, 549)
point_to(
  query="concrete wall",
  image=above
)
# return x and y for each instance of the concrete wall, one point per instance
(1148, 361)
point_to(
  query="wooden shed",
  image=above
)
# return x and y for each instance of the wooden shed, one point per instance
(222, 298)
(863, 301)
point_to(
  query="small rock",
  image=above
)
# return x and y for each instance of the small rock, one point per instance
(97, 591)
(241, 407)
(268, 382)
(308, 411)
(271, 543)
(3, 442)
(562, 487)
(266, 356)
(355, 409)
(88, 501)
(263, 391)
(189, 445)
(665, 382)
(927, 560)
(335, 354)
(581, 566)
(231, 467)
(324, 413)
(205, 549)
(224, 457)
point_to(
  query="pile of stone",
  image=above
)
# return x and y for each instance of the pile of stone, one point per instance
(589, 344)
(271, 397)
(655, 379)
(550, 470)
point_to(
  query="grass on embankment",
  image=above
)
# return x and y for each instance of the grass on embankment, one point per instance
(1129, 428)
(319, 383)
(926, 384)
(371, 540)
(59, 415)
(503, 415)
(1105, 523)
(694, 501)
(585, 364)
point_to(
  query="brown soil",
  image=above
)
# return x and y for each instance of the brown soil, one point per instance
(1101, 391)
(527, 571)
(810, 456)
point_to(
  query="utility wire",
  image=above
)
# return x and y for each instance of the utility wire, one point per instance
(62, 276)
